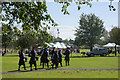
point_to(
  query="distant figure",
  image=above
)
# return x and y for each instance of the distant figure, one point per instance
(67, 58)
(115, 50)
(3, 53)
(60, 57)
(44, 57)
(22, 60)
(74, 51)
(109, 51)
(55, 59)
(40, 53)
(118, 51)
(78, 51)
(11, 51)
(33, 59)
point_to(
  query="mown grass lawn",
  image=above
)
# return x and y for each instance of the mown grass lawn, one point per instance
(10, 63)
(66, 74)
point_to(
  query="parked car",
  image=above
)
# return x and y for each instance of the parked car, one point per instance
(98, 51)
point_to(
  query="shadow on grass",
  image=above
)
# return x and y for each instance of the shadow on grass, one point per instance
(18, 71)
(38, 69)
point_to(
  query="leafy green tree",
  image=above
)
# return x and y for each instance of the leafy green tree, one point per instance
(71, 41)
(6, 35)
(89, 31)
(33, 16)
(66, 41)
(58, 39)
(105, 39)
(115, 35)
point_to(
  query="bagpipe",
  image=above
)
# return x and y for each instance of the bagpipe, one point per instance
(25, 59)
(51, 61)
(36, 58)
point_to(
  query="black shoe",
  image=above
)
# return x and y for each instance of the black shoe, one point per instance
(55, 67)
(30, 69)
(48, 66)
(35, 68)
(18, 69)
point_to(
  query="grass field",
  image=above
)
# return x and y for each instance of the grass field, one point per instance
(10, 63)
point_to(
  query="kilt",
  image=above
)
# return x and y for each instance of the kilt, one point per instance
(21, 62)
(60, 60)
(67, 58)
(45, 60)
(32, 61)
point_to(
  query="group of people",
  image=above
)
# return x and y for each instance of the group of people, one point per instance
(54, 57)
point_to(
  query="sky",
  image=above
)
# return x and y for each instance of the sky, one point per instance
(68, 23)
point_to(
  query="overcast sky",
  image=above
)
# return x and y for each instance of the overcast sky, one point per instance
(67, 23)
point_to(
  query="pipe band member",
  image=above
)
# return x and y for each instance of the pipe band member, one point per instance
(21, 60)
(67, 58)
(33, 59)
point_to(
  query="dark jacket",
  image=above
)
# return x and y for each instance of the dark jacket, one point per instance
(52, 53)
(60, 56)
(32, 59)
(67, 52)
(44, 56)
(55, 58)
(21, 61)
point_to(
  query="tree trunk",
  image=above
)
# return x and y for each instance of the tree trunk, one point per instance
(91, 48)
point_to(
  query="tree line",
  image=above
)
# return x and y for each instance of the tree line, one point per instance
(35, 21)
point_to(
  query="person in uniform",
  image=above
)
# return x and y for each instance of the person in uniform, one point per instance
(21, 60)
(60, 57)
(55, 59)
(41, 52)
(52, 52)
(33, 59)
(67, 58)
(44, 57)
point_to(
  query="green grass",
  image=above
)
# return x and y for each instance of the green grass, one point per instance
(66, 74)
(10, 63)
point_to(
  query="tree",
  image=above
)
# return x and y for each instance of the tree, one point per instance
(115, 35)
(71, 41)
(33, 16)
(105, 39)
(66, 41)
(6, 35)
(58, 39)
(89, 31)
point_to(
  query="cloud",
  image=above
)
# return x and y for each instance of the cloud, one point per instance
(66, 32)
